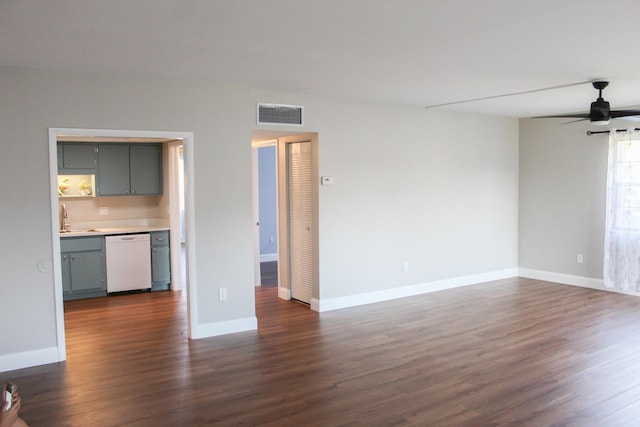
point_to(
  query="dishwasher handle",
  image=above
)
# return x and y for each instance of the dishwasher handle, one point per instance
(127, 238)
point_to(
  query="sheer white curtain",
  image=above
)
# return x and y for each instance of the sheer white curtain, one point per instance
(622, 234)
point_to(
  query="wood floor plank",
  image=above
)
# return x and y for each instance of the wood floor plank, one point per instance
(511, 352)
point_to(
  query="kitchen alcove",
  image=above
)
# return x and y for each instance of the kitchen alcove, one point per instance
(60, 142)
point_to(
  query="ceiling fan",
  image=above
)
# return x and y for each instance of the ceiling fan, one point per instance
(600, 112)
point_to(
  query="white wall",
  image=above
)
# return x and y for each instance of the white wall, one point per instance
(563, 174)
(438, 190)
(33, 101)
(434, 188)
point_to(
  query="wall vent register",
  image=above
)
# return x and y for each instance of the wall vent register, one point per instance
(280, 114)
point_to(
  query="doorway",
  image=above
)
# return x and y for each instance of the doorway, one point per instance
(173, 141)
(297, 265)
(265, 212)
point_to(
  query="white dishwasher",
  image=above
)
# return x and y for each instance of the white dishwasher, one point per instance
(128, 262)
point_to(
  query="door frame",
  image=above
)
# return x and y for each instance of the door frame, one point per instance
(188, 141)
(284, 282)
(175, 233)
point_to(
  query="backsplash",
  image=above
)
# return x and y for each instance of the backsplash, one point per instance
(116, 208)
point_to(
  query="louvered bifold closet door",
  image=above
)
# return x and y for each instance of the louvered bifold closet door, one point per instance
(300, 220)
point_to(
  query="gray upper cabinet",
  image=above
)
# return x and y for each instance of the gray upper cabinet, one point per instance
(146, 168)
(129, 169)
(76, 158)
(113, 170)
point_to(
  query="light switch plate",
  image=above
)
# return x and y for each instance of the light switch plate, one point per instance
(326, 180)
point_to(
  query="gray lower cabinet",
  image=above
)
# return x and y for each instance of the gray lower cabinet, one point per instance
(83, 267)
(129, 169)
(160, 261)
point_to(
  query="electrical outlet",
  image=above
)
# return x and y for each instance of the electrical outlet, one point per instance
(271, 240)
(103, 211)
(405, 266)
(222, 294)
(579, 259)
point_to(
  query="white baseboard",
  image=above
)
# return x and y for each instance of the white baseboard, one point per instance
(223, 328)
(27, 359)
(329, 304)
(269, 257)
(567, 279)
(284, 293)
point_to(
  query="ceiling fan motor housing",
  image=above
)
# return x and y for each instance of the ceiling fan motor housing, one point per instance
(600, 111)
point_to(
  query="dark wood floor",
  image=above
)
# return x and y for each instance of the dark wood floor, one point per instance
(515, 352)
(269, 273)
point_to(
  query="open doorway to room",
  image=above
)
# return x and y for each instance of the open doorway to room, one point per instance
(265, 211)
(172, 206)
(294, 158)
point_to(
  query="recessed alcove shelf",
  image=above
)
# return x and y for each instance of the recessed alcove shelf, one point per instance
(76, 186)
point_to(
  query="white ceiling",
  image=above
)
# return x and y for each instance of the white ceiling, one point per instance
(412, 52)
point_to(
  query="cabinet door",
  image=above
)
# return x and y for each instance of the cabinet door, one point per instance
(76, 158)
(146, 169)
(87, 273)
(159, 238)
(66, 273)
(60, 158)
(160, 264)
(79, 156)
(113, 169)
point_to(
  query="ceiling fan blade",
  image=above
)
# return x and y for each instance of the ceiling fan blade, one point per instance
(566, 116)
(624, 113)
(629, 118)
(574, 121)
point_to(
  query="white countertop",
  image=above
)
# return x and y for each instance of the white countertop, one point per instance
(110, 231)
(105, 228)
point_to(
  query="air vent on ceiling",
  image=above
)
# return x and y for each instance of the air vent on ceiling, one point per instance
(280, 114)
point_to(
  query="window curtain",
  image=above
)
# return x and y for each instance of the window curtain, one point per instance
(622, 234)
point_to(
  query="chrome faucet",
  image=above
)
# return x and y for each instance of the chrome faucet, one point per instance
(66, 224)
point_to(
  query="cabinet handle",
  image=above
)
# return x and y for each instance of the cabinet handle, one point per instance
(154, 250)
(160, 239)
(64, 258)
(73, 258)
